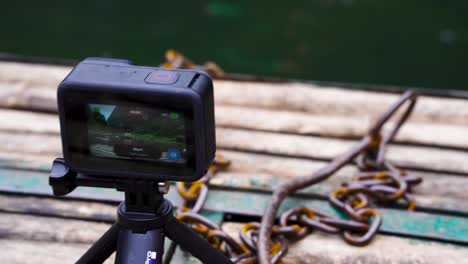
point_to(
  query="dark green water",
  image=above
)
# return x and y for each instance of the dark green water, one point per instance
(400, 42)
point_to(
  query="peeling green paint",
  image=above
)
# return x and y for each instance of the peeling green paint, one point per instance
(414, 224)
(247, 202)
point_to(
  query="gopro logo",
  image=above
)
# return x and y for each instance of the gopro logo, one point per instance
(151, 257)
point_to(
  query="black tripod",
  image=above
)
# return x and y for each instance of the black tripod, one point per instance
(143, 221)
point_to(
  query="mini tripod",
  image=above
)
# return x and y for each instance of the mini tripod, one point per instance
(143, 221)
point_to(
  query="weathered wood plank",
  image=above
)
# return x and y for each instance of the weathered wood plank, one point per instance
(429, 226)
(295, 145)
(59, 208)
(443, 135)
(47, 239)
(48, 146)
(335, 101)
(68, 239)
(23, 251)
(19, 226)
(308, 146)
(323, 248)
(397, 222)
(437, 193)
(319, 148)
(18, 232)
(266, 172)
(28, 122)
(28, 73)
(21, 95)
(30, 144)
(32, 227)
(48, 124)
(274, 121)
(286, 96)
(266, 168)
(306, 109)
(439, 190)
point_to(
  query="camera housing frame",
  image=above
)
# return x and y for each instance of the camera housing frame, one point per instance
(118, 82)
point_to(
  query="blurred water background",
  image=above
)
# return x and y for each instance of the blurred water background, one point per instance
(421, 43)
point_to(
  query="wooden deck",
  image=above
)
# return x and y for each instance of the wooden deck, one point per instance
(271, 132)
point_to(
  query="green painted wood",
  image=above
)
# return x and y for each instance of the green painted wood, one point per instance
(413, 224)
(251, 183)
(20, 181)
(183, 257)
(13, 180)
(398, 222)
(28, 165)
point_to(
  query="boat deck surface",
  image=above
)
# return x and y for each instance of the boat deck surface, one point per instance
(271, 132)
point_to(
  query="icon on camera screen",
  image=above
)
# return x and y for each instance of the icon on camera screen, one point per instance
(173, 154)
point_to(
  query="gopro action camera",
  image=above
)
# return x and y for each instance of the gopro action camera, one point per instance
(122, 120)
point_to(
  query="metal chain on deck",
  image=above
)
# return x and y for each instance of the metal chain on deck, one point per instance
(378, 183)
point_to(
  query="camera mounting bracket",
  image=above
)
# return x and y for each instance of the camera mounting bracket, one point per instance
(143, 220)
(141, 195)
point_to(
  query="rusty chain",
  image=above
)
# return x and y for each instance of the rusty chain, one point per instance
(369, 156)
(378, 183)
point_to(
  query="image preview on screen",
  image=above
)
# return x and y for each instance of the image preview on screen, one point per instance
(136, 132)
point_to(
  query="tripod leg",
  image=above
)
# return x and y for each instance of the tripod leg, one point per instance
(193, 243)
(170, 252)
(103, 248)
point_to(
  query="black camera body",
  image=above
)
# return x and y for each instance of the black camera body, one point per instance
(121, 120)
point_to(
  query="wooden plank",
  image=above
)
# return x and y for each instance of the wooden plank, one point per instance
(315, 99)
(300, 97)
(38, 99)
(66, 208)
(36, 228)
(423, 158)
(48, 124)
(28, 73)
(68, 239)
(20, 231)
(323, 248)
(319, 111)
(307, 146)
(344, 126)
(439, 190)
(438, 227)
(21, 95)
(29, 122)
(266, 172)
(23, 251)
(71, 208)
(274, 121)
(260, 172)
(397, 222)
(295, 145)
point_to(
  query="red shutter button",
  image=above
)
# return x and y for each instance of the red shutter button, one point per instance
(162, 77)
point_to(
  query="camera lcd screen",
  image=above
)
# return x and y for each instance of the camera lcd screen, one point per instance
(136, 133)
